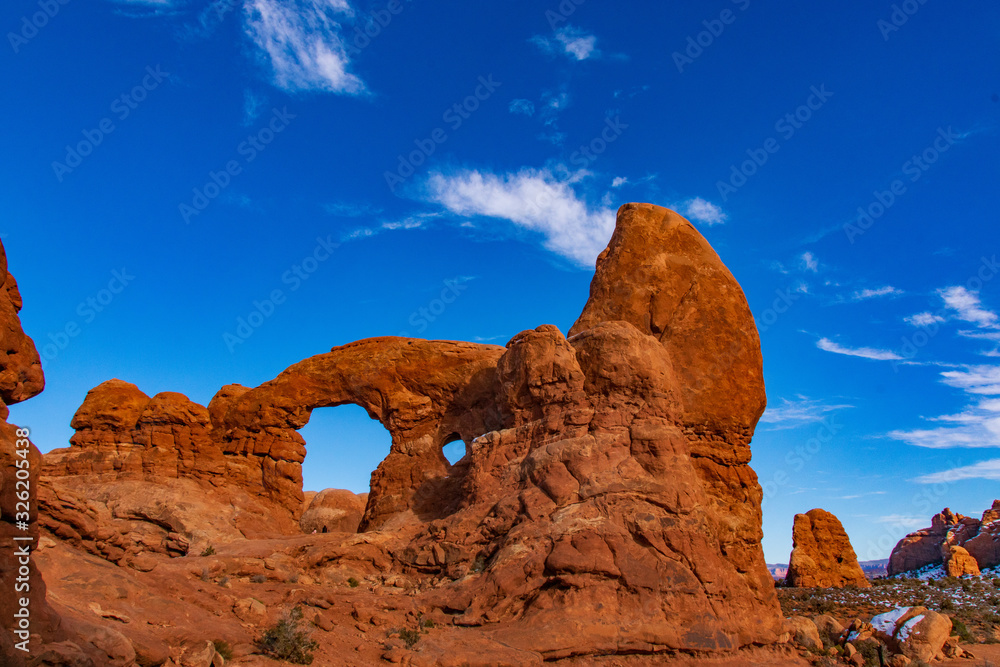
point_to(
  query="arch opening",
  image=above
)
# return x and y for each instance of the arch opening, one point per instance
(454, 449)
(344, 445)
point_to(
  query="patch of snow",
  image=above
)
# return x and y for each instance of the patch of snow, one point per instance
(886, 622)
(904, 631)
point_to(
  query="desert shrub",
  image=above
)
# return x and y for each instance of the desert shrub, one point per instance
(352, 582)
(411, 637)
(287, 641)
(223, 649)
(947, 605)
(996, 583)
(294, 579)
(205, 574)
(959, 628)
(823, 606)
(869, 650)
(223, 581)
(209, 551)
(258, 578)
(479, 564)
(425, 623)
(991, 617)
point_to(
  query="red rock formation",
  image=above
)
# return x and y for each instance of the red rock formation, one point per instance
(958, 562)
(605, 504)
(822, 555)
(334, 511)
(20, 379)
(931, 546)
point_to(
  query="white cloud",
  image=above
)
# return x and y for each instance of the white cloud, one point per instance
(923, 319)
(522, 107)
(967, 306)
(864, 294)
(301, 41)
(983, 470)
(533, 199)
(809, 262)
(700, 210)
(619, 181)
(863, 352)
(252, 106)
(903, 520)
(801, 410)
(571, 41)
(417, 221)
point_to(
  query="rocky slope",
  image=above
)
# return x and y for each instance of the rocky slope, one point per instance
(605, 504)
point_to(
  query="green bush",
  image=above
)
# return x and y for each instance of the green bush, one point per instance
(947, 605)
(352, 582)
(411, 637)
(209, 551)
(287, 641)
(223, 649)
(959, 628)
(258, 578)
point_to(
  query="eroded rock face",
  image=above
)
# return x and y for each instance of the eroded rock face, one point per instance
(822, 555)
(20, 379)
(958, 562)
(605, 503)
(979, 539)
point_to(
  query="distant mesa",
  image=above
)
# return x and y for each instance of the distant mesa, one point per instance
(958, 544)
(822, 555)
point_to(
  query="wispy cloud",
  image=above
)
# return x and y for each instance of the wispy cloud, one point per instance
(521, 107)
(347, 210)
(864, 352)
(700, 210)
(533, 199)
(983, 470)
(865, 294)
(301, 42)
(571, 41)
(809, 262)
(798, 412)
(967, 307)
(904, 520)
(619, 181)
(923, 319)
(416, 221)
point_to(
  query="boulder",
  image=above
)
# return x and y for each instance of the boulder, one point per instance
(803, 631)
(822, 555)
(958, 562)
(333, 511)
(916, 632)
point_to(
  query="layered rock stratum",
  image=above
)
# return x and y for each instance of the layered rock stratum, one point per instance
(605, 504)
(822, 555)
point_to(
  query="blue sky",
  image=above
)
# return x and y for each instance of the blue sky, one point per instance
(204, 193)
